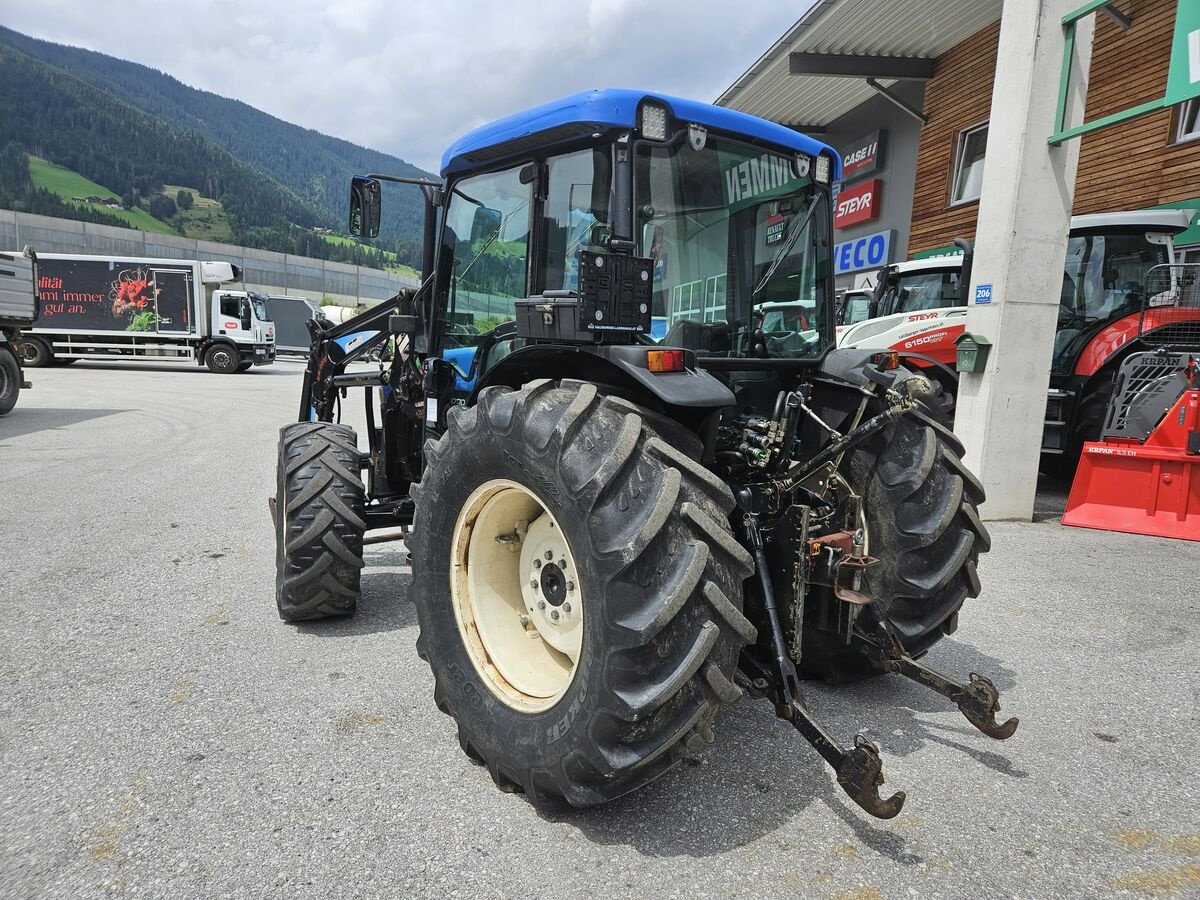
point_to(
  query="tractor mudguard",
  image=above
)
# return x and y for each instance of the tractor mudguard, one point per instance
(693, 392)
(848, 365)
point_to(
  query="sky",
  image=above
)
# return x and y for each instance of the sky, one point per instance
(409, 78)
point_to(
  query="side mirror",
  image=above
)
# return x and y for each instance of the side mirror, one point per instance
(485, 224)
(365, 205)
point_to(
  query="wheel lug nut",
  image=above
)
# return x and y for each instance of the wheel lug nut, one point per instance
(566, 607)
(562, 564)
(570, 585)
(549, 555)
(533, 584)
(554, 614)
(541, 604)
(537, 563)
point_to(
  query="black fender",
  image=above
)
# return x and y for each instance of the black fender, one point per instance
(691, 397)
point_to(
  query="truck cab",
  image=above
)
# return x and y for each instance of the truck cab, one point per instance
(241, 321)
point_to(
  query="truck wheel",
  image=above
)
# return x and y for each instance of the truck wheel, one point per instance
(319, 523)
(221, 358)
(578, 589)
(10, 379)
(36, 353)
(922, 523)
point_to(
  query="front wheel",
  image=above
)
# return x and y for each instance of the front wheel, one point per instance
(10, 380)
(222, 359)
(578, 588)
(319, 523)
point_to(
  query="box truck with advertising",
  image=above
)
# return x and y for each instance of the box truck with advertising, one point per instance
(18, 309)
(109, 307)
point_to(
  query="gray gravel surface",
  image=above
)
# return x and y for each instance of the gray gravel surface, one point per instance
(163, 734)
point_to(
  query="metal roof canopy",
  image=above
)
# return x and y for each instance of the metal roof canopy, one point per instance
(901, 38)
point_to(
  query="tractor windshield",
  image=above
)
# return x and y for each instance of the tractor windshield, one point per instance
(740, 246)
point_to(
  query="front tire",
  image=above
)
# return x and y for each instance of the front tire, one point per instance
(10, 379)
(922, 521)
(643, 530)
(222, 359)
(319, 523)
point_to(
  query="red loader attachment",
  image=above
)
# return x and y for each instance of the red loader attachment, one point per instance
(1143, 477)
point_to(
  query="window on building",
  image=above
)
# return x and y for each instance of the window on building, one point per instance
(1187, 120)
(968, 164)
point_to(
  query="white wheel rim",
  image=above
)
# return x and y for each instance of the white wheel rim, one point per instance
(516, 595)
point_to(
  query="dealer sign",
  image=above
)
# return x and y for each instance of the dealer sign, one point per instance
(864, 156)
(857, 204)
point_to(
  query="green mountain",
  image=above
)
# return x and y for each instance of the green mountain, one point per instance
(50, 114)
(314, 166)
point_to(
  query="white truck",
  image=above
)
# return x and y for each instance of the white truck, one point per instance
(119, 307)
(18, 309)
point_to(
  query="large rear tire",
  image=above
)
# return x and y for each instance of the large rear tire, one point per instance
(639, 532)
(318, 521)
(922, 521)
(10, 379)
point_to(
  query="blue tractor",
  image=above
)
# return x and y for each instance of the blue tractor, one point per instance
(617, 533)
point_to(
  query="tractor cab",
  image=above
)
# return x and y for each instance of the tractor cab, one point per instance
(725, 214)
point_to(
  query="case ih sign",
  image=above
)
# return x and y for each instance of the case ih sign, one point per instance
(857, 204)
(864, 156)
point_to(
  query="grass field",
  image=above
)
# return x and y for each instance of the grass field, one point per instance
(206, 220)
(68, 184)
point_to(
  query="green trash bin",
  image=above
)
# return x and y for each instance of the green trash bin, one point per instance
(972, 352)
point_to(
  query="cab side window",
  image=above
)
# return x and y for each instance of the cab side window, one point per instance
(483, 259)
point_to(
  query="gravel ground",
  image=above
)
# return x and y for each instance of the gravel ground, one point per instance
(163, 734)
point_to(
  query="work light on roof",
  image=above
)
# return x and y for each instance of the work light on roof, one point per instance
(654, 122)
(823, 167)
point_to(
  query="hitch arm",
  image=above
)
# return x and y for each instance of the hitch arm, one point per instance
(859, 770)
(978, 700)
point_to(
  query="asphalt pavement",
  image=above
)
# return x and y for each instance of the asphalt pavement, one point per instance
(163, 734)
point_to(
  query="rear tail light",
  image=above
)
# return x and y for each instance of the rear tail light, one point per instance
(662, 361)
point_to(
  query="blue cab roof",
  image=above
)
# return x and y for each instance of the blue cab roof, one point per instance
(617, 108)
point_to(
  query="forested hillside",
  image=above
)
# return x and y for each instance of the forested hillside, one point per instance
(53, 115)
(313, 165)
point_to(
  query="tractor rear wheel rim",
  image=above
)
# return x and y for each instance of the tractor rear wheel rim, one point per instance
(516, 594)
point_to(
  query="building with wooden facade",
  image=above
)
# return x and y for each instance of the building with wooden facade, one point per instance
(917, 76)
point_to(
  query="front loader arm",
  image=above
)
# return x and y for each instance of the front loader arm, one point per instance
(333, 349)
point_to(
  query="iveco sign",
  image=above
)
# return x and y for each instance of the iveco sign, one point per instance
(863, 156)
(867, 252)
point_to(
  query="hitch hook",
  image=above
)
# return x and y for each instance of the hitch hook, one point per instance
(859, 770)
(978, 700)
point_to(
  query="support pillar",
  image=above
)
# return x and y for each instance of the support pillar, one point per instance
(1020, 248)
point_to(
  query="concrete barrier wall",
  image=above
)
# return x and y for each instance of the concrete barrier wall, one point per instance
(262, 270)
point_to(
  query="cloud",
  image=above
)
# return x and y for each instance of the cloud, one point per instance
(410, 78)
